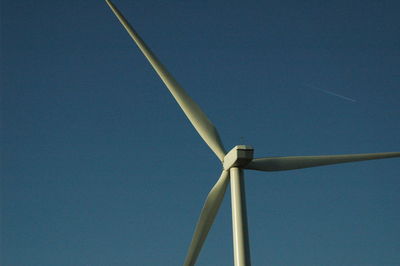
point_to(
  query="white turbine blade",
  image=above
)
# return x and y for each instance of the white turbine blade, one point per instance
(297, 162)
(193, 112)
(206, 219)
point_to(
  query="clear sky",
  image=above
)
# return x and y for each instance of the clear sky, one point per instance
(99, 166)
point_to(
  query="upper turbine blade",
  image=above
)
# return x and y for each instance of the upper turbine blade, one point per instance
(193, 112)
(206, 219)
(297, 162)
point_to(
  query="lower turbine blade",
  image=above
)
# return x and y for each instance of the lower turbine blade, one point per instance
(206, 219)
(297, 162)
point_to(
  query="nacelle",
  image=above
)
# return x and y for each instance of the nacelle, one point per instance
(239, 156)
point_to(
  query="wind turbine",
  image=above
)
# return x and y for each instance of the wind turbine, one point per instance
(233, 162)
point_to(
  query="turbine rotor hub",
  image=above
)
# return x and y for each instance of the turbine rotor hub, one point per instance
(239, 156)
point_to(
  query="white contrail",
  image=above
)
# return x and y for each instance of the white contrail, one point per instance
(332, 93)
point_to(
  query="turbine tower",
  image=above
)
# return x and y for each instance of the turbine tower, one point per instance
(233, 162)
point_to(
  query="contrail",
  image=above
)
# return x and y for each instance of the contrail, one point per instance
(332, 93)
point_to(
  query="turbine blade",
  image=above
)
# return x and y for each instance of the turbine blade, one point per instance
(193, 112)
(206, 219)
(297, 162)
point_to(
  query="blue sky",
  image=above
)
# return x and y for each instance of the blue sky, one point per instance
(101, 167)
